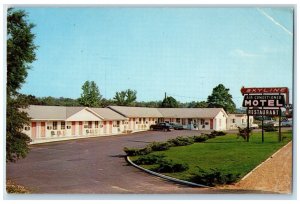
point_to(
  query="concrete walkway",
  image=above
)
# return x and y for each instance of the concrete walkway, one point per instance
(275, 174)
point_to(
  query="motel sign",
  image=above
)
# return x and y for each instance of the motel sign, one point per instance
(263, 101)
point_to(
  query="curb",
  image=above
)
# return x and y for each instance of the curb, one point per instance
(264, 161)
(166, 177)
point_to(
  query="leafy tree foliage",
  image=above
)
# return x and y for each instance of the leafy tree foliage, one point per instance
(20, 53)
(125, 98)
(169, 102)
(90, 96)
(198, 104)
(220, 98)
(150, 104)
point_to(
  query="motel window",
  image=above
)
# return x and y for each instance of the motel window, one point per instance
(26, 128)
(68, 126)
(242, 120)
(144, 119)
(202, 121)
(96, 124)
(62, 125)
(177, 120)
(140, 120)
(233, 120)
(118, 123)
(54, 125)
(183, 121)
(90, 124)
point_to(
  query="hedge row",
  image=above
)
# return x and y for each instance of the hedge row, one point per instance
(178, 141)
(214, 177)
(163, 165)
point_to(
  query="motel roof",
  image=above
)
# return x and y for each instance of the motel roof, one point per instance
(138, 112)
(38, 112)
(190, 112)
(108, 114)
(168, 112)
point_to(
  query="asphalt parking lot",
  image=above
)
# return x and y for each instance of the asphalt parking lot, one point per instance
(96, 165)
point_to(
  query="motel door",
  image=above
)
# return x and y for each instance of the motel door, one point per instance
(43, 130)
(133, 123)
(73, 127)
(33, 130)
(211, 124)
(110, 127)
(80, 128)
(104, 127)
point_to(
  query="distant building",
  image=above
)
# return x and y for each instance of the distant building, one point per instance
(238, 120)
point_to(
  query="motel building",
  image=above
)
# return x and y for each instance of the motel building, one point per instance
(196, 118)
(54, 123)
(238, 120)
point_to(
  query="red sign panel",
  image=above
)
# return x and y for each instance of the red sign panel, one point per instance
(256, 90)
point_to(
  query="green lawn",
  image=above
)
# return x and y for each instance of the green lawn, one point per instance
(227, 153)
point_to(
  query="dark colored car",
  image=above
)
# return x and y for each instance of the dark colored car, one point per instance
(176, 126)
(161, 126)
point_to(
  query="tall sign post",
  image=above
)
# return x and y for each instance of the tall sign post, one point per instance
(265, 102)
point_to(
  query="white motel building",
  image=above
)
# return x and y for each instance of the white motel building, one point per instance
(54, 123)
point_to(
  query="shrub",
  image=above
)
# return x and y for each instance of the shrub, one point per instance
(200, 138)
(149, 159)
(181, 141)
(214, 177)
(244, 133)
(159, 146)
(218, 133)
(270, 128)
(131, 151)
(210, 136)
(170, 167)
(145, 150)
(137, 151)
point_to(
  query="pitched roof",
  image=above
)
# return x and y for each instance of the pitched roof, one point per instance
(39, 112)
(190, 112)
(136, 111)
(46, 112)
(108, 114)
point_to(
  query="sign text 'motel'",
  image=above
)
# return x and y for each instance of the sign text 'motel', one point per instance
(263, 101)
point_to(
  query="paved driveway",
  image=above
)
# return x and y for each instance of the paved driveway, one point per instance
(95, 165)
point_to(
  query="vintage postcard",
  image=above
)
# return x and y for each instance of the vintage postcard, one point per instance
(149, 100)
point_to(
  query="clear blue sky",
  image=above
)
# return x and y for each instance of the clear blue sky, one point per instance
(185, 52)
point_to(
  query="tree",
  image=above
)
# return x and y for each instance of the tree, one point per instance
(220, 98)
(125, 98)
(169, 102)
(90, 96)
(20, 53)
(198, 104)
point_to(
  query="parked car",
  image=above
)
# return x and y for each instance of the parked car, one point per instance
(176, 126)
(252, 126)
(161, 126)
(287, 123)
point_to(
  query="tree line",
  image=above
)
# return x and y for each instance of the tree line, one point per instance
(91, 97)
